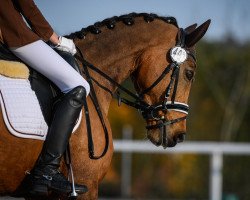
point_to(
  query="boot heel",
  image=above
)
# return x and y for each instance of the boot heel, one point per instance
(41, 190)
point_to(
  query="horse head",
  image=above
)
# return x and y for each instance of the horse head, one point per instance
(163, 81)
(160, 58)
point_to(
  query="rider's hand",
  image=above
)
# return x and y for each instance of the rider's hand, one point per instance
(67, 45)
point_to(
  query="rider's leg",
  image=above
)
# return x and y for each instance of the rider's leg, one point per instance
(45, 175)
(45, 60)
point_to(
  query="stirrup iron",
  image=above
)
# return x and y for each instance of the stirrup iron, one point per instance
(73, 195)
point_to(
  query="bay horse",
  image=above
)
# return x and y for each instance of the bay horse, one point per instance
(158, 56)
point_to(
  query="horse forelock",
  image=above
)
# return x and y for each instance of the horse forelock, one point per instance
(126, 19)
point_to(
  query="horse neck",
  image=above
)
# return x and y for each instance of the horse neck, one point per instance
(116, 51)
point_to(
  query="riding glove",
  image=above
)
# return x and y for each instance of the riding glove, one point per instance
(67, 45)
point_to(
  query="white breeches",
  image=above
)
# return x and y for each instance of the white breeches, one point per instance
(45, 60)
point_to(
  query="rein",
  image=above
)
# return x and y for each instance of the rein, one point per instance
(178, 55)
(99, 112)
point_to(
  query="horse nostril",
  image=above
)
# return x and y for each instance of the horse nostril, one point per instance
(180, 137)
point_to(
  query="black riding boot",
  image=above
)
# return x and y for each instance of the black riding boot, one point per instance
(45, 176)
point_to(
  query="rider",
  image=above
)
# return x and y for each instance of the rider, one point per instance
(28, 44)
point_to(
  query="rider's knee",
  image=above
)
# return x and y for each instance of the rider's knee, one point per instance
(80, 81)
(77, 96)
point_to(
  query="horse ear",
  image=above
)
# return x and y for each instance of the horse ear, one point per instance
(193, 37)
(190, 28)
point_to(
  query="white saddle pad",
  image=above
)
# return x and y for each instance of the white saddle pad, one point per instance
(21, 110)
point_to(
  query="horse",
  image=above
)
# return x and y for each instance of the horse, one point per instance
(160, 59)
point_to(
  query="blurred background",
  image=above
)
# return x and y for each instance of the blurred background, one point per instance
(219, 99)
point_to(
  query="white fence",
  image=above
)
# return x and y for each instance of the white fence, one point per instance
(216, 150)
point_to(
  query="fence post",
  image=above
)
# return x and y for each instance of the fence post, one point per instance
(126, 164)
(216, 164)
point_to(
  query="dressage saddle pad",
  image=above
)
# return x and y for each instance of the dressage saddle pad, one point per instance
(24, 115)
(21, 110)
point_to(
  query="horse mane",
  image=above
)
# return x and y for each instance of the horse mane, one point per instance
(127, 19)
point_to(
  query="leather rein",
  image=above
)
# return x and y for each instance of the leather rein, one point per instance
(178, 55)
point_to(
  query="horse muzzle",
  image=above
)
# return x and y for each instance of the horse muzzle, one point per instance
(165, 135)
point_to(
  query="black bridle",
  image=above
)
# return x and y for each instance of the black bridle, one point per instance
(178, 55)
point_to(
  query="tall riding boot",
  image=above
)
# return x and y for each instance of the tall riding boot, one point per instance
(45, 176)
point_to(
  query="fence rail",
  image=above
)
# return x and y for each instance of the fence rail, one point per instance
(216, 150)
(185, 147)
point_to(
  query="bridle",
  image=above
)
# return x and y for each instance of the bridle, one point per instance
(178, 55)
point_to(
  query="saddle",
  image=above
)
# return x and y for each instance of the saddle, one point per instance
(21, 85)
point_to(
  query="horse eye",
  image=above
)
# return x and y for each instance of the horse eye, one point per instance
(189, 74)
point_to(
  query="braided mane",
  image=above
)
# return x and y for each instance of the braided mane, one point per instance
(126, 19)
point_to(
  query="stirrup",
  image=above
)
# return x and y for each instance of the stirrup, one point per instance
(73, 195)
